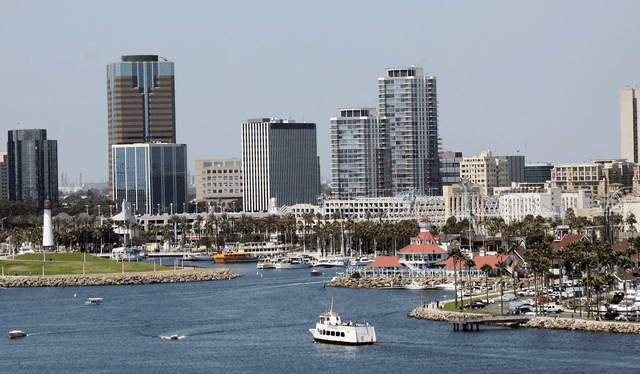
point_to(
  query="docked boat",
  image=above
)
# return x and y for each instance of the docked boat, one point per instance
(415, 286)
(360, 261)
(126, 254)
(265, 263)
(332, 330)
(196, 257)
(328, 263)
(290, 263)
(93, 301)
(233, 257)
(16, 334)
(446, 286)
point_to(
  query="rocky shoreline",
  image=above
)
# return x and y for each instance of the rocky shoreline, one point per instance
(169, 276)
(431, 313)
(382, 282)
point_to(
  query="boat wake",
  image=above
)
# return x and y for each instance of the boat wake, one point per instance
(173, 337)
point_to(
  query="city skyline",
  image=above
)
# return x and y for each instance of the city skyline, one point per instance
(541, 80)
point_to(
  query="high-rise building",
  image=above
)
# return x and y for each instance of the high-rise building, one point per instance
(280, 163)
(151, 176)
(516, 167)
(629, 124)
(141, 102)
(486, 171)
(539, 172)
(450, 167)
(359, 160)
(32, 167)
(408, 110)
(220, 181)
(4, 176)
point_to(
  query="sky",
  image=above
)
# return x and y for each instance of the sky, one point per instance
(536, 78)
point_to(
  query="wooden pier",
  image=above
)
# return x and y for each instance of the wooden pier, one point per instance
(468, 321)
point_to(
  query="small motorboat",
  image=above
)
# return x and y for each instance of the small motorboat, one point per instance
(173, 337)
(16, 334)
(94, 301)
(415, 286)
(315, 272)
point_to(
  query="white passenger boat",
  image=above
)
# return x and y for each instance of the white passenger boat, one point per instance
(94, 301)
(415, 286)
(331, 329)
(16, 334)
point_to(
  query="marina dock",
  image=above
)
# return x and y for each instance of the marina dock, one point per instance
(468, 321)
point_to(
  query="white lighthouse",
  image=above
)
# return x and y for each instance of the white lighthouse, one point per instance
(47, 228)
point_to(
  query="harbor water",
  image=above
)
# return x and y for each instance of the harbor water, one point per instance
(260, 323)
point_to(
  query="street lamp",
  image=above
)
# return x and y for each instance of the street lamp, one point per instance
(3, 222)
(183, 208)
(171, 205)
(158, 209)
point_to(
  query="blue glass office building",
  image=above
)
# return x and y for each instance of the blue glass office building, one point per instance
(151, 176)
(32, 166)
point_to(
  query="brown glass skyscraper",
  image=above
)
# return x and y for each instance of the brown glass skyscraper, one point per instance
(141, 102)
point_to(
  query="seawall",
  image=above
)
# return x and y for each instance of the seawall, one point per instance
(169, 276)
(429, 312)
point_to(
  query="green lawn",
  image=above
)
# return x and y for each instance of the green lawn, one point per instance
(70, 263)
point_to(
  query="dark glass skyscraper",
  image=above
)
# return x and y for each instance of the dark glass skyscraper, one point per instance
(141, 102)
(33, 166)
(151, 176)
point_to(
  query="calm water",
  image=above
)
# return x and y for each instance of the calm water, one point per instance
(260, 324)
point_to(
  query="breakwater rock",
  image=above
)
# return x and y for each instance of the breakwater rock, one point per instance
(381, 282)
(430, 312)
(170, 276)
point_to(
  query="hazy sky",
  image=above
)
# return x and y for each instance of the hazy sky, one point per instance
(542, 77)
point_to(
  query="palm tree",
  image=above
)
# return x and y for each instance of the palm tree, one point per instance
(502, 268)
(487, 269)
(469, 263)
(456, 255)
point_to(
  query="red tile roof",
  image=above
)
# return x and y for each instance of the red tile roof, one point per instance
(428, 244)
(479, 260)
(385, 262)
(564, 243)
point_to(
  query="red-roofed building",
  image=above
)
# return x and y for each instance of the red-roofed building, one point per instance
(479, 260)
(424, 250)
(564, 243)
(385, 265)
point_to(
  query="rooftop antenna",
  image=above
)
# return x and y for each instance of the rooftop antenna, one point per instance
(164, 58)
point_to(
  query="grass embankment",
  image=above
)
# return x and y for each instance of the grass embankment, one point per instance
(71, 263)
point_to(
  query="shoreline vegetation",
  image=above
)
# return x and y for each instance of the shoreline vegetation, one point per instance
(70, 269)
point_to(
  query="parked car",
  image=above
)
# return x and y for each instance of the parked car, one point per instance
(474, 304)
(552, 308)
(612, 315)
(488, 301)
(527, 292)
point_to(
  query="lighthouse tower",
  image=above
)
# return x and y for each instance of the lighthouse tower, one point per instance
(47, 228)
